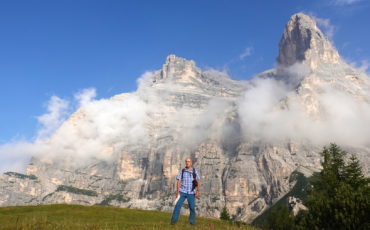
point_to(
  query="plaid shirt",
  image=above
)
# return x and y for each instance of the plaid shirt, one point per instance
(187, 181)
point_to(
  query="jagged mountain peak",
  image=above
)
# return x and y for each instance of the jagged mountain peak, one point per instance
(176, 60)
(304, 20)
(183, 75)
(303, 41)
(178, 68)
(180, 110)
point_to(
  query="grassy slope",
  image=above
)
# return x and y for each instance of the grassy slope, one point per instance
(68, 217)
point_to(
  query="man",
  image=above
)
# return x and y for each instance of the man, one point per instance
(185, 190)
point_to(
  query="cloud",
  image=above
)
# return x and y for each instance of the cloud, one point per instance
(99, 129)
(57, 111)
(203, 126)
(271, 110)
(362, 65)
(257, 103)
(345, 45)
(85, 96)
(294, 74)
(15, 154)
(162, 114)
(344, 2)
(327, 26)
(187, 125)
(248, 51)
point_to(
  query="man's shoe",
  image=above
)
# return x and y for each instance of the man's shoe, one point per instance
(172, 223)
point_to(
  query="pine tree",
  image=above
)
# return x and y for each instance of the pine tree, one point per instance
(353, 173)
(280, 218)
(224, 214)
(340, 194)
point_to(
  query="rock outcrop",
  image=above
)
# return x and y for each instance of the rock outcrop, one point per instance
(303, 41)
(295, 205)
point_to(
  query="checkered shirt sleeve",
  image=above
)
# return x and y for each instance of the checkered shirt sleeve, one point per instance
(187, 182)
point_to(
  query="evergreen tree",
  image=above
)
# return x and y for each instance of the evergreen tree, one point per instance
(353, 174)
(340, 194)
(280, 218)
(224, 214)
(338, 197)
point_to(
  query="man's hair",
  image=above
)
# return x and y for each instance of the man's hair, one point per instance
(188, 158)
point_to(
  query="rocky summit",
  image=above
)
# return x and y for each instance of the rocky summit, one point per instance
(127, 150)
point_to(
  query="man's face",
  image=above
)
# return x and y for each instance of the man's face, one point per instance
(188, 163)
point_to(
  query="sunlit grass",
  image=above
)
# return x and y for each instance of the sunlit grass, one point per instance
(68, 217)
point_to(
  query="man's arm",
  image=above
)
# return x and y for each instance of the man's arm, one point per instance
(198, 189)
(178, 178)
(198, 184)
(178, 188)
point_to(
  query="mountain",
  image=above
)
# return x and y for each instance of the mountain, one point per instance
(245, 137)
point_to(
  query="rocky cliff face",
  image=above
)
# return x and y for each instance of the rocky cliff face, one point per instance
(127, 150)
(303, 41)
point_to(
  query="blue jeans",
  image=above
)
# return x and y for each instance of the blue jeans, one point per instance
(191, 203)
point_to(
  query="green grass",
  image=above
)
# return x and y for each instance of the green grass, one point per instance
(117, 197)
(68, 217)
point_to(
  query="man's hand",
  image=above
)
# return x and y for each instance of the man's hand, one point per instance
(197, 194)
(177, 194)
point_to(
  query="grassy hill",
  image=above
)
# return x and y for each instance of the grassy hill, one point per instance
(68, 217)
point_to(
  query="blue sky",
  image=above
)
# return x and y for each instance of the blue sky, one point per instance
(60, 47)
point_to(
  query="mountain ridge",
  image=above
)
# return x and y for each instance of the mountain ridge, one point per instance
(245, 138)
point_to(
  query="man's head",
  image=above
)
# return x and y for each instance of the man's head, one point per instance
(188, 162)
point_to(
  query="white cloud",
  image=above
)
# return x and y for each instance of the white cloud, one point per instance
(15, 154)
(327, 26)
(248, 51)
(272, 111)
(269, 110)
(57, 110)
(100, 127)
(362, 65)
(85, 96)
(97, 129)
(344, 2)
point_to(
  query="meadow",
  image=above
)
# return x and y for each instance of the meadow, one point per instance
(73, 217)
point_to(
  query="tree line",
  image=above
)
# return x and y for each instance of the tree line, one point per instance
(338, 197)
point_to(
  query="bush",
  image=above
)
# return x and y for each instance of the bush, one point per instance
(21, 176)
(75, 190)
